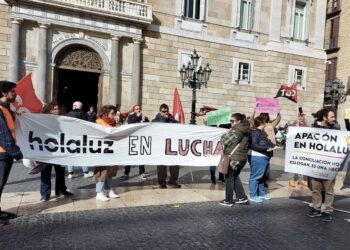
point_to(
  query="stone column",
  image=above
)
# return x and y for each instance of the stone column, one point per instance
(14, 66)
(275, 20)
(41, 79)
(114, 80)
(135, 85)
(321, 12)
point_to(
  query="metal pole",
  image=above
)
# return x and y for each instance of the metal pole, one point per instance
(193, 116)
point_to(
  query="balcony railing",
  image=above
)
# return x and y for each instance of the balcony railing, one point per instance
(120, 8)
(333, 7)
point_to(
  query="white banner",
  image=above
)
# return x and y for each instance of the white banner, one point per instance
(316, 152)
(68, 141)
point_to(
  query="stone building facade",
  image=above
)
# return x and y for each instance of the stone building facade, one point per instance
(133, 50)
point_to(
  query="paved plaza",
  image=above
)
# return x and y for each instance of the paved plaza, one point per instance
(146, 217)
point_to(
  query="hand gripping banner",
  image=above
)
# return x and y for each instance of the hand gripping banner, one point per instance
(68, 141)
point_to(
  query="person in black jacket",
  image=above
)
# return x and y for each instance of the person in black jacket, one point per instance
(135, 117)
(164, 116)
(346, 182)
(262, 150)
(78, 113)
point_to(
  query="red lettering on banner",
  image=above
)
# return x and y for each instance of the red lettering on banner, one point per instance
(168, 148)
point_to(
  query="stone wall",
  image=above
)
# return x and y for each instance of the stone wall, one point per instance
(160, 77)
(5, 40)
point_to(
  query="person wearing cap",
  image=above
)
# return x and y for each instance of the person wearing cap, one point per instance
(9, 151)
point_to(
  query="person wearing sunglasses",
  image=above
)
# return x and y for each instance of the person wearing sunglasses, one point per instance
(166, 117)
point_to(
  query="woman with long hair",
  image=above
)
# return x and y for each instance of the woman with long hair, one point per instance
(103, 175)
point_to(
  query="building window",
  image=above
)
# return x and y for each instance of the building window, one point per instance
(333, 43)
(297, 75)
(242, 71)
(299, 21)
(245, 15)
(192, 9)
(331, 70)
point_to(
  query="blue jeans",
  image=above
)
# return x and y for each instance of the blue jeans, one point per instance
(107, 185)
(258, 171)
(71, 169)
(212, 170)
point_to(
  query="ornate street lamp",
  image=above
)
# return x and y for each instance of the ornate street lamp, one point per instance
(334, 92)
(194, 78)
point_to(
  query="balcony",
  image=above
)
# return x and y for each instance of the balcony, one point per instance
(120, 9)
(333, 8)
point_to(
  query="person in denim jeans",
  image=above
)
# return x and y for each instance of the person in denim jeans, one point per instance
(235, 144)
(261, 153)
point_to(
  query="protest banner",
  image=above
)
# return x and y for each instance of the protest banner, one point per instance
(68, 141)
(267, 105)
(218, 117)
(316, 152)
(347, 114)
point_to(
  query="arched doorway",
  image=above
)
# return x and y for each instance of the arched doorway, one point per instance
(78, 77)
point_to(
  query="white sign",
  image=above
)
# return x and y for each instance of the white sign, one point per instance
(316, 152)
(67, 141)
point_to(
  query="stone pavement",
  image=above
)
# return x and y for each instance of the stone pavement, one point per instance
(146, 217)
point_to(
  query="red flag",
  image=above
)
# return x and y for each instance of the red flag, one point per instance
(26, 100)
(289, 92)
(178, 112)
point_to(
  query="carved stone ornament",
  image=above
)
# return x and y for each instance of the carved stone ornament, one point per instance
(79, 58)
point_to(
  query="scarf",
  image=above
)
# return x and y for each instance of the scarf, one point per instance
(109, 121)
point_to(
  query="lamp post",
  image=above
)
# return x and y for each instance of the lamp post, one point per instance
(194, 78)
(334, 93)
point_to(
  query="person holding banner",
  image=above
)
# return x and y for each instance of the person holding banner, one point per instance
(319, 185)
(261, 153)
(236, 143)
(103, 175)
(164, 116)
(135, 116)
(270, 129)
(46, 168)
(9, 151)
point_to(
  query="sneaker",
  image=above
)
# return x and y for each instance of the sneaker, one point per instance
(88, 174)
(71, 175)
(112, 195)
(101, 197)
(222, 181)
(265, 197)
(226, 203)
(143, 177)
(314, 213)
(326, 217)
(44, 199)
(242, 201)
(345, 188)
(8, 215)
(4, 221)
(213, 181)
(124, 177)
(63, 194)
(255, 199)
(162, 186)
(174, 184)
(292, 183)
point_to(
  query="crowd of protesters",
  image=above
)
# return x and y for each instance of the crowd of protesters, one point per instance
(249, 140)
